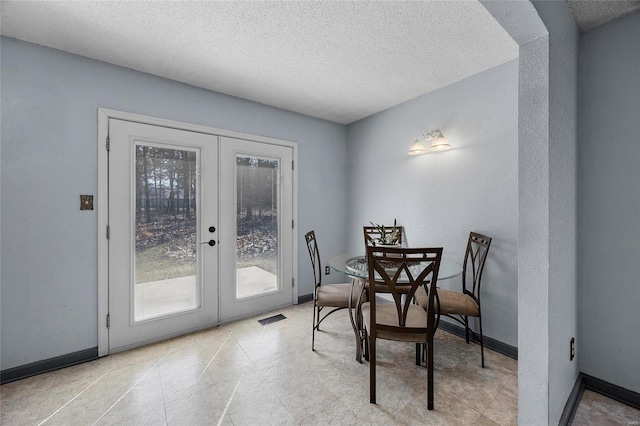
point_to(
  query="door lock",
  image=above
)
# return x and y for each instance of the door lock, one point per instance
(212, 229)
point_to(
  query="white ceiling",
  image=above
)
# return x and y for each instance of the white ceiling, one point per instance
(339, 61)
(593, 13)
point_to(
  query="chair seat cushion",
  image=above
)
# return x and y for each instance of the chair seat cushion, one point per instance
(337, 295)
(387, 314)
(454, 302)
(421, 296)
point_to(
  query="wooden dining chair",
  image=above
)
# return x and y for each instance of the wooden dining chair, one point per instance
(402, 271)
(460, 305)
(372, 236)
(333, 297)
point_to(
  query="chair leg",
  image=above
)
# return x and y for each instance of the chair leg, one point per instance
(316, 313)
(418, 353)
(466, 328)
(355, 316)
(429, 374)
(367, 355)
(481, 340)
(372, 370)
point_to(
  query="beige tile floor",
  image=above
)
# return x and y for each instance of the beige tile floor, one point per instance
(598, 410)
(246, 374)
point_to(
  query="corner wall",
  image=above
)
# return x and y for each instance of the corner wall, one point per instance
(609, 203)
(440, 197)
(563, 232)
(547, 228)
(49, 157)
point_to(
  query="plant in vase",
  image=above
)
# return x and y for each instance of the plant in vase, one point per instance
(386, 237)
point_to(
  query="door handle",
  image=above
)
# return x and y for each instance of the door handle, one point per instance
(210, 242)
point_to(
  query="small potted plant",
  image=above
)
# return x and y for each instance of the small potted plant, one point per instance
(386, 237)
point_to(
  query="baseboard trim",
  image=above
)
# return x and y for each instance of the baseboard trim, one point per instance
(44, 366)
(585, 381)
(305, 298)
(571, 406)
(489, 343)
(612, 391)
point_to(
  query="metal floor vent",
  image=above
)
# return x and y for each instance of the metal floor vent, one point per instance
(269, 320)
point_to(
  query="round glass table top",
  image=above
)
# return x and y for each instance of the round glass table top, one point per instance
(355, 266)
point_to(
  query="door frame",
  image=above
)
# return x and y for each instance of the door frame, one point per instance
(104, 114)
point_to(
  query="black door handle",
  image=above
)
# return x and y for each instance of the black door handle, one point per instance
(210, 242)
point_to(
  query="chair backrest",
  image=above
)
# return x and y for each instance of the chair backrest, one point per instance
(403, 271)
(372, 234)
(312, 245)
(474, 258)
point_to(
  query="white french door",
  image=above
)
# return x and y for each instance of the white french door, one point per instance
(200, 230)
(162, 273)
(256, 184)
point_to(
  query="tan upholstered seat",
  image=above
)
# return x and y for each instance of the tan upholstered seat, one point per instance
(332, 297)
(336, 295)
(386, 314)
(454, 302)
(460, 305)
(451, 302)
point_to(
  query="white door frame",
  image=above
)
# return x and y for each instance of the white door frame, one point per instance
(103, 202)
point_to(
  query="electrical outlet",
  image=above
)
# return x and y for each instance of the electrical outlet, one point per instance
(572, 349)
(327, 271)
(86, 202)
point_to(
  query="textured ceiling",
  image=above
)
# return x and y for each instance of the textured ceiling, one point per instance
(590, 14)
(340, 61)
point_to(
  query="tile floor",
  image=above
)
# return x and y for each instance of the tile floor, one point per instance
(598, 410)
(246, 374)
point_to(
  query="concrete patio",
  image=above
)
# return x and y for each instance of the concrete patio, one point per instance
(158, 298)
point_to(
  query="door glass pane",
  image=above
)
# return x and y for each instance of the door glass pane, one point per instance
(257, 225)
(166, 232)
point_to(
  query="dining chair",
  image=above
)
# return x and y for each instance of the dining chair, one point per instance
(327, 296)
(402, 271)
(462, 305)
(373, 233)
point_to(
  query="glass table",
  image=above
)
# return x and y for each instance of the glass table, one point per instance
(355, 267)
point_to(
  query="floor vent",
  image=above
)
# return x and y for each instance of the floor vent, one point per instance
(275, 318)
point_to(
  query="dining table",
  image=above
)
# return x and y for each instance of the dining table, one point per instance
(355, 266)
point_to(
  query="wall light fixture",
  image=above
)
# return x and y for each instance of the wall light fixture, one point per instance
(437, 143)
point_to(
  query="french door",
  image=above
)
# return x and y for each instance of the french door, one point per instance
(256, 186)
(196, 231)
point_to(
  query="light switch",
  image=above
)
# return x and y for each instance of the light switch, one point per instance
(86, 202)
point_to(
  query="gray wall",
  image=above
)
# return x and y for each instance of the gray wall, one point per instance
(440, 197)
(609, 203)
(563, 137)
(547, 203)
(49, 157)
(533, 235)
